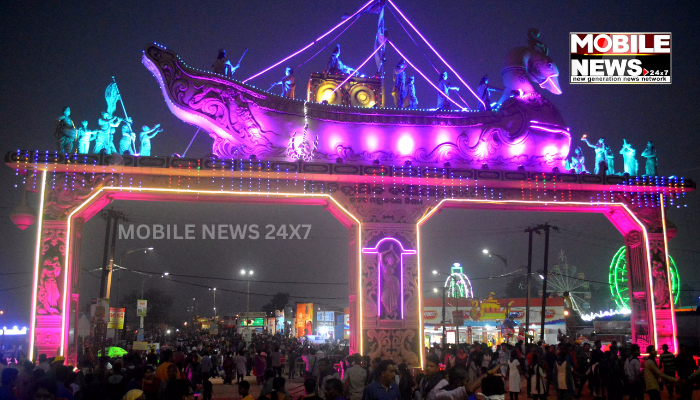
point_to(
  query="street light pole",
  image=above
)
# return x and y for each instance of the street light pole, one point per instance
(248, 274)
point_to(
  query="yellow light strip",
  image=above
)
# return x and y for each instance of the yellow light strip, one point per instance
(37, 251)
(668, 274)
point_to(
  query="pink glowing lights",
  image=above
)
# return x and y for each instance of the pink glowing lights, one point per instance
(375, 250)
(312, 43)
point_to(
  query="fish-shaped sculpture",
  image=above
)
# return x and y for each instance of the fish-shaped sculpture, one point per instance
(531, 63)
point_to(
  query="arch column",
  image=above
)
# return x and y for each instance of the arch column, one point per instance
(391, 298)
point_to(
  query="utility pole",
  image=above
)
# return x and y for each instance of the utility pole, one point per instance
(530, 231)
(444, 320)
(546, 227)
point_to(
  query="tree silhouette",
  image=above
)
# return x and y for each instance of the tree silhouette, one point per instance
(277, 302)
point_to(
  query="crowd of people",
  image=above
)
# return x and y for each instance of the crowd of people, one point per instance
(330, 373)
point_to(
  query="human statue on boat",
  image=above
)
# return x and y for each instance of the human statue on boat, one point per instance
(126, 143)
(442, 102)
(145, 136)
(411, 89)
(65, 132)
(399, 93)
(601, 152)
(577, 162)
(223, 65)
(629, 161)
(484, 92)
(288, 83)
(104, 136)
(335, 66)
(652, 163)
(85, 136)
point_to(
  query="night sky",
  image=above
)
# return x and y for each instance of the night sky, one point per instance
(64, 54)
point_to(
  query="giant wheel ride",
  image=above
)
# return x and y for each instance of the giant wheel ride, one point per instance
(564, 280)
(617, 279)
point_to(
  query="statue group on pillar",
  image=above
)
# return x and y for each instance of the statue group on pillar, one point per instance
(78, 140)
(605, 159)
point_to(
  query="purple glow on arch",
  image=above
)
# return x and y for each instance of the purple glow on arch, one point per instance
(423, 75)
(312, 43)
(358, 68)
(542, 128)
(375, 250)
(436, 53)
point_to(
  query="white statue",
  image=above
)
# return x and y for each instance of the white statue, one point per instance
(127, 140)
(145, 136)
(84, 137)
(630, 162)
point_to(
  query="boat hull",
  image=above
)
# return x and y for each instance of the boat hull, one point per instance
(246, 121)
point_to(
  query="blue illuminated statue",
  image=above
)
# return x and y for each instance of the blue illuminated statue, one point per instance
(411, 90)
(84, 137)
(577, 162)
(127, 141)
(630, 162)
(444, 86)
(399, 92)
(145, 136)
(223, 66)
(335, 66)
(288, 83)
(652, 163)
(104, 136)
(601, 154)
(484, 92)
(65, 132)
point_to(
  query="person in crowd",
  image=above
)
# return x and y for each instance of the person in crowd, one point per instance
(278, 392)
(514, 376)
(333, 389)
(244, 390)
(537, 378)
(326, 372)
(595, 376)
(45, 389)
(668, 365)
(166, 358)
(432, 382)
(8, 379)
(385, 388)
(652, 375)
(277, 361)
(228, 366)
(633, 373)
(355, 378)
(564, 376)
(310, 390)
(406, 382)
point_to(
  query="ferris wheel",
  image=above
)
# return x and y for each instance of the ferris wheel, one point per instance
(618, 279)
(566, 281)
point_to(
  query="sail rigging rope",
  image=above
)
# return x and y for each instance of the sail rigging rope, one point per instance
(329, 43)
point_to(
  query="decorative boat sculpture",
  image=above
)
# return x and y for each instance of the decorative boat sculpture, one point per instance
(526, 130)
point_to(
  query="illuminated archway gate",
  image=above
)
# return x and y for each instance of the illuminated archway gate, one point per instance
(383, 207)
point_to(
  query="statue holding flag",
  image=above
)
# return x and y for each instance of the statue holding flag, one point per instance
(112, 96)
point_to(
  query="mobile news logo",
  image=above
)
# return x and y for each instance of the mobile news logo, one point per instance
(620, 57)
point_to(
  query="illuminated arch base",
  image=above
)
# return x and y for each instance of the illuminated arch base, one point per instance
(618, 279)
(382, 206)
